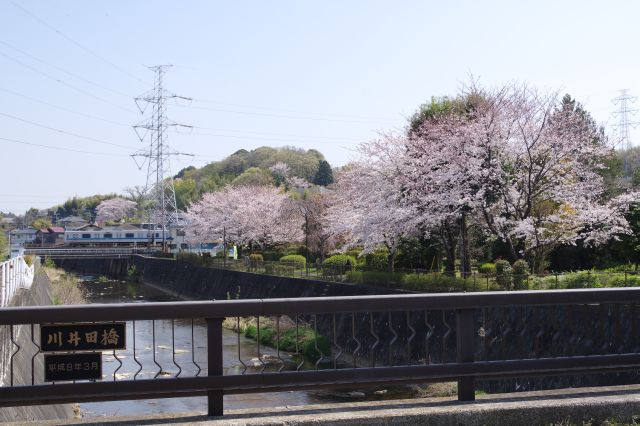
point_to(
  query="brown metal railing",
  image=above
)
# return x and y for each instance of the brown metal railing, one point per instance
(364, 340)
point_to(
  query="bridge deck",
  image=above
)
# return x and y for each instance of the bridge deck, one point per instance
(565, 406)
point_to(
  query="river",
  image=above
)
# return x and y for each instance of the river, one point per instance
(184, 332)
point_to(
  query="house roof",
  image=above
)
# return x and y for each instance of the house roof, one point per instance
(23, 231)
(71, 219)
(87, 227)
(57, 229)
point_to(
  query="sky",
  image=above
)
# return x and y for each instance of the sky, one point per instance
(312, 74)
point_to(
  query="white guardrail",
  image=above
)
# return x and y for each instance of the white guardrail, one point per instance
(14, 274)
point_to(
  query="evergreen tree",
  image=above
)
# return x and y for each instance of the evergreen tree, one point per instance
(324, 176)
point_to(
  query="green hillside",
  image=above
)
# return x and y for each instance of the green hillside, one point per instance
(243, 167)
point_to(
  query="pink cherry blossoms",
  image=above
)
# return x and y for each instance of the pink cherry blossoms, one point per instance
(115, 209)
(248, 215)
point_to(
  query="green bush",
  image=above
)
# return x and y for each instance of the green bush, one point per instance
(255, 257)
(192, 258)
(619, 280)
(49, 263)
(340, 260)
(377, 260)
(306, 344)
(434, 283)
(355, 253)
(520, 274)
(294, 260)
(281, 269)
(580, 280)
(311, 341)
(338, 264)
(380, 278)
(28, 259)
(487, 268)
(503, 274)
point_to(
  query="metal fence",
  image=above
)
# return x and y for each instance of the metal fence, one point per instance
(15, 274)
(429, 280)
(104, 252)
(364, 340)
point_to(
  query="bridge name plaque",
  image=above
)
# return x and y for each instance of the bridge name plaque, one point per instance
(82, 366)
(82, 337)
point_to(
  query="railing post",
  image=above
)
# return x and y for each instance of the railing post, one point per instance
(465, 338)
(215, 402)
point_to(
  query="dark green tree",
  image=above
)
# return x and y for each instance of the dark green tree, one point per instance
(324, 176)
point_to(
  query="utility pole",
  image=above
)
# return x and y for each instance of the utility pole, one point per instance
(624, 114)
(159, 189)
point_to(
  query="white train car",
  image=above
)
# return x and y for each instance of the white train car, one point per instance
(122, 235)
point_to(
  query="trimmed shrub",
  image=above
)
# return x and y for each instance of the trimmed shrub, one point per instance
(294, 260)
(503, 274)
(255, 257)
(487, 268)
(520, 274)
(338, 264)
(28, 259)
(340, 259)
(377, 260)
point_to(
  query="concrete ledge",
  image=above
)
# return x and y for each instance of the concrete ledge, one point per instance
(566, 406)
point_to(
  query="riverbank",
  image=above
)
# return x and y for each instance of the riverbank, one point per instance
(23, 351)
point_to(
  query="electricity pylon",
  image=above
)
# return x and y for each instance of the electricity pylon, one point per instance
(625, 123)
(159, 189)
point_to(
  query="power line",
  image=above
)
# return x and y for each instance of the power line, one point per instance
(72, 41)
(261, 114)
(59, 148)
(289, 135)
(33, 123)
(93, 117)
(61, 108)
(356, 117)
(300, 139)
(64, 83)
(72, 74)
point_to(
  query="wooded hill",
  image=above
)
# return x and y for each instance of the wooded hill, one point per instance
(249, 167)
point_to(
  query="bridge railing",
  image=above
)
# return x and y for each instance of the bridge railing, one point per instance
(15, 274)
(86, 252)
(175, 349)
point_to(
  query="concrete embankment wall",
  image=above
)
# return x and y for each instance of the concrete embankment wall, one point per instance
(38, 295)
(201, 283)
(88, 266)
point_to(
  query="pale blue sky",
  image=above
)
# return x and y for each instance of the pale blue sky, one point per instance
(323, 74)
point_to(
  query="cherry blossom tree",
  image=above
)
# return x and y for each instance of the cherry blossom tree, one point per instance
(311, 207)
(369, 208)
(247, 214)
(115, 209)
(523, 168)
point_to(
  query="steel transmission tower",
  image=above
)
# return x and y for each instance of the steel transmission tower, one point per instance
(160, 192)
(624, 114)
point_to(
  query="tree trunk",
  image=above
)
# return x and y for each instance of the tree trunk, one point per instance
(465, 252)
(513, 255)
(391, 260)
(449, 242)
